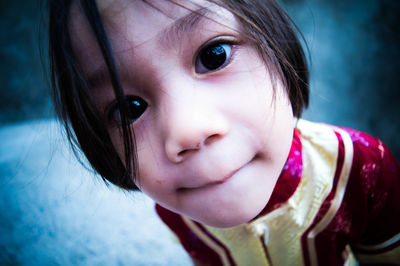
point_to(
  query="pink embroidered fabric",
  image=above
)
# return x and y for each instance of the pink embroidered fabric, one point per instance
(289, 178)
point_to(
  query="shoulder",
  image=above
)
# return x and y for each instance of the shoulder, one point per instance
(371, 166)
(367, 153)
(376, 179)
(369, 209)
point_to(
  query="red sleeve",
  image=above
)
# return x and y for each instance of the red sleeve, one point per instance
(376, 173)
(368, 218)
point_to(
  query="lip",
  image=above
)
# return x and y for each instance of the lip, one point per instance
(214, 183)
(224, 180)
(229, 176)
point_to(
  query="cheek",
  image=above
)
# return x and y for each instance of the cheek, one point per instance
(253, 88)
(148, 179)
(280, 128)
(260, 105)
(146, 150)
(154, 178)
(269, 113)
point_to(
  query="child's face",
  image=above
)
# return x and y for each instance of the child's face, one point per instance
(213, 138)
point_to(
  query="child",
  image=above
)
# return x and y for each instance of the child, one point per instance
(196, 103)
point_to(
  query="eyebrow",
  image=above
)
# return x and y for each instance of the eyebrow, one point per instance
(179, 28)
(183, 26)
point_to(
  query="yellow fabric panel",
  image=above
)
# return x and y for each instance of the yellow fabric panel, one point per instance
(244, 247)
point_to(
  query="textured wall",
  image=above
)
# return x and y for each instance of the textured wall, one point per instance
(355, 74)
(23, 92)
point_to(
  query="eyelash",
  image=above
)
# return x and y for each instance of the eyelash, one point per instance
(113, 114)
(214, 49)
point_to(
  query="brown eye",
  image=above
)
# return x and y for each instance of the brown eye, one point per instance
(213, 57)
(136, 107)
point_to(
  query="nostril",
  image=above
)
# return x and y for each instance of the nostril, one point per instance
(185, 152)
(182, 153)
(211, 139)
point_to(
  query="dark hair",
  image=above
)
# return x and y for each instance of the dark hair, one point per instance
(265, 24)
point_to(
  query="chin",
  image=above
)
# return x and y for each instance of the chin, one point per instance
(227, 223)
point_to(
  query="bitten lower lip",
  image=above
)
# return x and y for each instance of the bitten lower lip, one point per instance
(219, 182)
(222, 181)
(227, 177)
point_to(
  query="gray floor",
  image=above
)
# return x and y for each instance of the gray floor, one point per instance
(54, 212)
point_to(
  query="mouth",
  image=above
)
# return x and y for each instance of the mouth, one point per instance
(209, 184)
(222, 181)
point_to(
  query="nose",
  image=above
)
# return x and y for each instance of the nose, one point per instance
(192, 126)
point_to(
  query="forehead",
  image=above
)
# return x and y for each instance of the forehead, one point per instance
(146, 19)
(132, 23)
(170, 8)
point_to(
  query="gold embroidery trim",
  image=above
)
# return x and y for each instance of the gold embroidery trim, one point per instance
(207, 240)
(336, 202)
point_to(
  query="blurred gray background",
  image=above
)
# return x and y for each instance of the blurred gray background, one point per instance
(55, 212)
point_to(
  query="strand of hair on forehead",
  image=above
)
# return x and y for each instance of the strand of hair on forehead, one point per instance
(92, 14)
